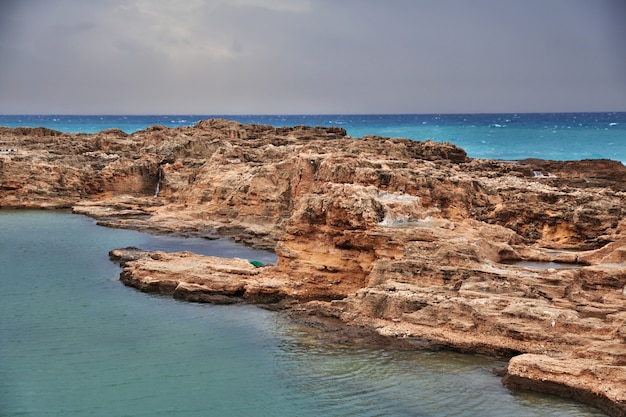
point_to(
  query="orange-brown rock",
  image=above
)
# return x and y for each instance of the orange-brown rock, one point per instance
(408, 240)
(192, 277)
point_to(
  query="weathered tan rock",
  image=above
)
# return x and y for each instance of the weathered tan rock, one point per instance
(405, 240)
(192, 277)
(582, 379)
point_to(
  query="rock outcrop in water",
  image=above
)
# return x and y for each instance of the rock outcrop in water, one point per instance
(411, 241)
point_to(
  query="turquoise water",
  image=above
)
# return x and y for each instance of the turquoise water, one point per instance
(75, 342)
(557, 136)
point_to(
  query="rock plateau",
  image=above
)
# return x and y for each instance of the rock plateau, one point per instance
(410, 241)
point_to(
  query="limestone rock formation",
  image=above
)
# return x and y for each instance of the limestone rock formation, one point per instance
(199, 278)
(408, 240)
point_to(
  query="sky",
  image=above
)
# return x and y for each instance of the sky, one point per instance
(311, 56)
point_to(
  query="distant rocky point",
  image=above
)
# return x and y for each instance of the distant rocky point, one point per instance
(412, 242)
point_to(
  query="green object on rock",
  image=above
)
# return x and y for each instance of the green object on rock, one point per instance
(258, 264)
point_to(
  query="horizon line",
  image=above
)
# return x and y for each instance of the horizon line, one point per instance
(306, 114)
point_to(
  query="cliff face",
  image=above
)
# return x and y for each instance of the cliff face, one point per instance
(410, 240)
(45, 168)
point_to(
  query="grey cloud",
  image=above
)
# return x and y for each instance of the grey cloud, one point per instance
(312, 56)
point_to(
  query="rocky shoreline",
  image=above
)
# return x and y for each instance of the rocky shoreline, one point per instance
(411, 242)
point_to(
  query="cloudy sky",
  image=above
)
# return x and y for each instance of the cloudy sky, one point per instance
(311, 56)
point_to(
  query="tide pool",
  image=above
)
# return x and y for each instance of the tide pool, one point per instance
(75, 342)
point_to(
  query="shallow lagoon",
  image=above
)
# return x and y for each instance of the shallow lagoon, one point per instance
(75, 342)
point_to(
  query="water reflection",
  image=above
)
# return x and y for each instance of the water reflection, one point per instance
(350, 380)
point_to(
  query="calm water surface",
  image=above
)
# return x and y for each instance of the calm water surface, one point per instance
(75, 342)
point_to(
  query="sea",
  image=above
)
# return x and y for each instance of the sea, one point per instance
(74, 341)
(514, 136)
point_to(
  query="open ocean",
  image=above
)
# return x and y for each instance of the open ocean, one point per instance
(557, 136)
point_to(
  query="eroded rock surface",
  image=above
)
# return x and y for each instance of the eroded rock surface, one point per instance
(412, 241)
